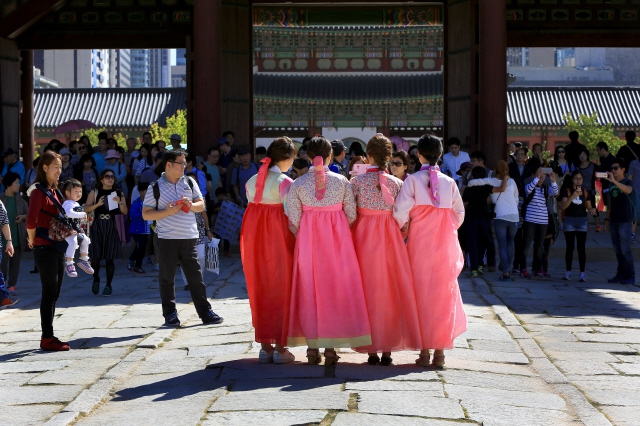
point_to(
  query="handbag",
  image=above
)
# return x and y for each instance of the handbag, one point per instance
(493, 206)
(211, 258)
(91, 216)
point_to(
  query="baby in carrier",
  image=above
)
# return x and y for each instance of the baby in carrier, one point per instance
(74, 213)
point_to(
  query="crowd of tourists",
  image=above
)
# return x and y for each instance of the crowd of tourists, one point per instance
(327, 210)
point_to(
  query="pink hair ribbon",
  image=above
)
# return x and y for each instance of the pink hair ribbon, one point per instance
(434, 183)
(382, 180)
(262, 178)
(321, 178)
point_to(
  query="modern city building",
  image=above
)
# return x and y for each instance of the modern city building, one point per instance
(139, 68)
(86, 68)
(120, 68)
(159, 68)
(179, 76)
(181, 57)
(42, 82)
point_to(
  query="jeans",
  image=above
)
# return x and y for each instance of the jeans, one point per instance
(51, 264)
(536, 233)
(505, 234)
(11, 265)
(184, 252)
(3, 288)
(139, 249)
(477, 236)
(621, 240)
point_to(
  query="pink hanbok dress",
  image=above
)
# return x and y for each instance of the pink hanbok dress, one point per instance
(328, 308)
(384, 266)
(435, 255)
(266, 247)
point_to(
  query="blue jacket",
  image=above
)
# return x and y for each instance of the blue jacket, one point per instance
(138, 224)
(17, 168)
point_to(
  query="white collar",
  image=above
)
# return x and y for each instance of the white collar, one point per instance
(275, 169)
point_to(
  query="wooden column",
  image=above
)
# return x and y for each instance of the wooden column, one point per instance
(27, 137)
(493, 80)
(206, 78)
(10, 94)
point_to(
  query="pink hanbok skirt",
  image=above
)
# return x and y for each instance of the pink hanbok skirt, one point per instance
(328, 308)
(388, 283)
(436, 261)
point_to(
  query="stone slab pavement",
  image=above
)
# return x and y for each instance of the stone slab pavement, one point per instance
(535, 353)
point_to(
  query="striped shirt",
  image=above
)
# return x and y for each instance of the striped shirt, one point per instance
(537, 209)
(4, 218)
(180, 226)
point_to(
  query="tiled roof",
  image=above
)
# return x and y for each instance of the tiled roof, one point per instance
(114, 108)
(348, 87)
(545, 106)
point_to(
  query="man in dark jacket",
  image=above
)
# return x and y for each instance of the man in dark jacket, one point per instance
(630, 151)
(573, 149)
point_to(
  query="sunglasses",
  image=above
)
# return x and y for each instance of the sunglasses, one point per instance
(560, 152)
(82, 147)
(397, 163)
(109, 177)
(615, 168)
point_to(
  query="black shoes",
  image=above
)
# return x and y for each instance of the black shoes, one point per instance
(172, 320)
(211, 318)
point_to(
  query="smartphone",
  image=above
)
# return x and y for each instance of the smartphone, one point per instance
(359, 169)
(547, 170)
(579, 187)
(601, 175)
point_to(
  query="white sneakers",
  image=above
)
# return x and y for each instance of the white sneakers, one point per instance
(276, 357)
(583, 277)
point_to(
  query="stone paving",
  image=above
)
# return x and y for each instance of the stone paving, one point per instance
(535, 353)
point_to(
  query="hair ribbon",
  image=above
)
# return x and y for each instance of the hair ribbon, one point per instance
(262, 178)
(434, 183)
(320, 177)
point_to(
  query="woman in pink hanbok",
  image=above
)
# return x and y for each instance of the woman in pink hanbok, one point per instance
(431, 202)
(382, 255)
(328, 307)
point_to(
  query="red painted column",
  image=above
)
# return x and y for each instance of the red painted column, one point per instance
(492, 104)
(207, 96)
(27, 136)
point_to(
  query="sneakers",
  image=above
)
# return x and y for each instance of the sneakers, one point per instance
(138, 270)
(567, 276)
(480, 271)
(474, 274)
(265, 357)
(12, 289)
(615, 279)
(71, 270)
(107, 291)
(212, 318)
(129, 264)
(538, 275)
(8, 301)
(505, 279)
(85, 266)
(515, 271)
(283, 358)
(95, 288)
(524, 273)
(53, 344)
(633, 238)
(630, 280)
(172, 320)
(583, 278)
(598, 228)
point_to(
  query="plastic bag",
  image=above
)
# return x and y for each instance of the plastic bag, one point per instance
(212, 263)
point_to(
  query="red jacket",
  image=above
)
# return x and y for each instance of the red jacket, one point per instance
(39, 219)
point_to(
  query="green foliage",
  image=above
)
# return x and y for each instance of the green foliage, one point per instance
(93, 136)
(591, 132)
(175, 124)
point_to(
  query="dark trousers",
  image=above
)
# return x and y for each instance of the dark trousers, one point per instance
(491, 247)
(183, 252)
(51, 264)
(621, 240)
(570, 238)
(11, 266)
(519, 259)
(536, 233)
(137, 255)
(478, 231)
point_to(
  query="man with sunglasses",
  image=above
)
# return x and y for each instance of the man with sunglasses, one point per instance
(619, 221)
(173, 204)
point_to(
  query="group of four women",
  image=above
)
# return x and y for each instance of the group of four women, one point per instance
(326, 263)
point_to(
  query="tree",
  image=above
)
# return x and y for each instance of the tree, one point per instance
(177, 123)
(592, 132)
(93, 136)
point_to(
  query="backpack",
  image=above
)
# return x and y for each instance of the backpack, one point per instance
(156, 190)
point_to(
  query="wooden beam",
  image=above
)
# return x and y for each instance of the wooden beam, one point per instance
(574, 38)
(26, 16)
(165, 39)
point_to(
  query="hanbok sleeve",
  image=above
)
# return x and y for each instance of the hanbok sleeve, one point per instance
(349, 205)
(457, 206)
(293, 207)
(404, 202)
(284, 188)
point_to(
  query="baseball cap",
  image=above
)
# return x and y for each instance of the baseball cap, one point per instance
(176, 137)
(199, 160)
(338, 145)
(8, 151)
(464, 166)
(65, 151)
(222, 141)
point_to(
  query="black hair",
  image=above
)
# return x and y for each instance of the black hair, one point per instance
(191, 158)
(9, 178)
(300, 163)
(602, 145)
(630, 136)
(228, 132)
(517, 145)
(69, 185)
(574, 136)
(478, 172)
(478, 155)
(356, 149)
(220, 191)
(306, 140)
(620, 162)
(319, 146)
(143, 186)
(169, 156)
(261, 150)
(453, 141)
(430, 147)
(585, 150)
(103, 135)
(575, 173)
(534, 164)
(213, 148)
(303, 148)
(87, 157)
(146, 133)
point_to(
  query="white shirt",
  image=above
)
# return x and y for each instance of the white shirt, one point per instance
(451, 163)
